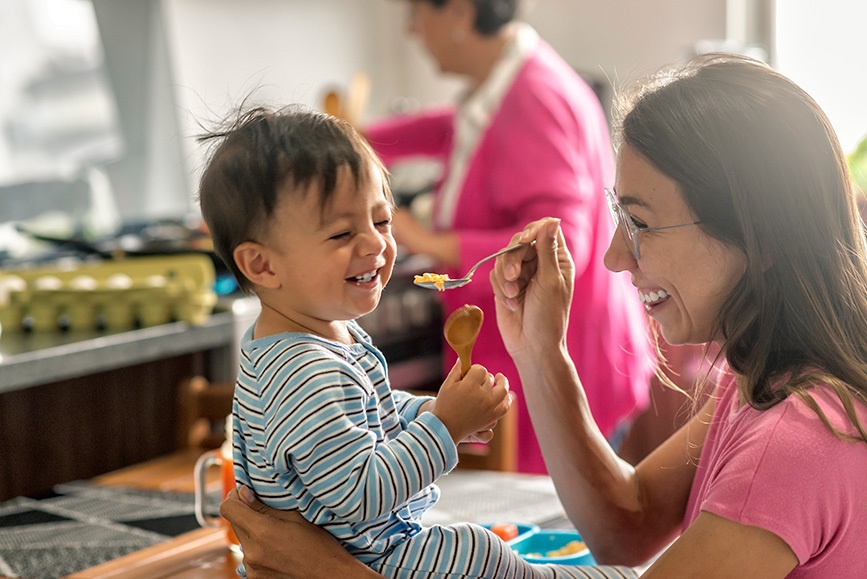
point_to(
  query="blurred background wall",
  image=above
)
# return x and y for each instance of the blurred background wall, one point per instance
(113, 91)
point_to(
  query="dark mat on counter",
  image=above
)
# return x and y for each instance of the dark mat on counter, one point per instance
(81, 525)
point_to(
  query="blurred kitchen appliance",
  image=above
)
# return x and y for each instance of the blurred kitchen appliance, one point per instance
(152, 178)
(407, 328)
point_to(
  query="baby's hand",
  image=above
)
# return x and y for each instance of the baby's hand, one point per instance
(472, 405)
(485, 435)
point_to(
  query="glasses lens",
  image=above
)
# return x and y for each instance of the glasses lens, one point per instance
(612, 206)
(623, 222)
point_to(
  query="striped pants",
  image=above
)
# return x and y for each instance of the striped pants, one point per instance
(464, 551)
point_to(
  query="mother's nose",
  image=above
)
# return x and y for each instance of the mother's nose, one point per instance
(618, 257)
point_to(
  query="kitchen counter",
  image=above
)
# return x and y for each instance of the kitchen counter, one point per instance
(77, 404)
(74, 405)
(32, 359)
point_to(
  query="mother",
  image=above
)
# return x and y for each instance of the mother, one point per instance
(739, 227)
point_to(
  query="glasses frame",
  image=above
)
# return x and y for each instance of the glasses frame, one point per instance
(623, 221)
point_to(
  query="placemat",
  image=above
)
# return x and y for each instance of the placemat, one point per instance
(81, 525)
(490, 496)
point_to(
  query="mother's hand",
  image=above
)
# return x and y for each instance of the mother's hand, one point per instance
(284, 544)
(533, 290)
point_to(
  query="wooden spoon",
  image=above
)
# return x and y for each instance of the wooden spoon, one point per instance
(461, 330)
(356, 98)
(331, 104)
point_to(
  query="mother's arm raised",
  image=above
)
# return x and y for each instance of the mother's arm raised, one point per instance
(626, 514)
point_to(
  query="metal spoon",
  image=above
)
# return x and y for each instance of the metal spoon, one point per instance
(461, 330)
(460, 282)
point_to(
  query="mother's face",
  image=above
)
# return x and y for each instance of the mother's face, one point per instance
(683, 275)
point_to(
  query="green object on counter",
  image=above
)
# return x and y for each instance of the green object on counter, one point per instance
(857, 161)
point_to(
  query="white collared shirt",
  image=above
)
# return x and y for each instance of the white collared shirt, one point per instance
(474, 114)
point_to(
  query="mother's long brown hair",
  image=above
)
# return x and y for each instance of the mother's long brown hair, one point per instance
(759, 164)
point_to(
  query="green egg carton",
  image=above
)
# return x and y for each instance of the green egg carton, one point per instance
(116, 294)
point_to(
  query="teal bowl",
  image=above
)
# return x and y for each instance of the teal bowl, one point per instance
(524, 531)
(538, 547)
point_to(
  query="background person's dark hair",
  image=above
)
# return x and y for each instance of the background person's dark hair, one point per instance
(262, 154)
(491, 15)
(759, 165)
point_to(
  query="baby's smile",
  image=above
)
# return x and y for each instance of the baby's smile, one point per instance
(366, 277)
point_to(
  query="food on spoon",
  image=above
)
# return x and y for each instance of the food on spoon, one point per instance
(505, 531)
(438, 279)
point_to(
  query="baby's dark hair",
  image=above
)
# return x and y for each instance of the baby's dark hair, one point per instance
(263, 153)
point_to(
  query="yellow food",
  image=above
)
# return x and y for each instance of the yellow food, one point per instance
(569, 548)
(438, 279)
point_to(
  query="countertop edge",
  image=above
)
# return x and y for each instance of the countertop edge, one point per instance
(111, 351)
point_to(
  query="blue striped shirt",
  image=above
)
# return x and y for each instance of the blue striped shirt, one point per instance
(319, 430)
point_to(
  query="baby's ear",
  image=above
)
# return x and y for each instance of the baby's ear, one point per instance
(252, 260)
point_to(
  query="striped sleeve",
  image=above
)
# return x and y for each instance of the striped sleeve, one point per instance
(316, 408)
(408, 404)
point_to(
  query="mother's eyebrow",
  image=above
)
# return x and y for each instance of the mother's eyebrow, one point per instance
(632, 201)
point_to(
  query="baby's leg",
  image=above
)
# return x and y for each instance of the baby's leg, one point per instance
(466, 550)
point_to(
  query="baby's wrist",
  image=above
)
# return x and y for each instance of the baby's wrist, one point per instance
(454, 431)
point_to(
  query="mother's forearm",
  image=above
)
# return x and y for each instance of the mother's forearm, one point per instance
(598, 490)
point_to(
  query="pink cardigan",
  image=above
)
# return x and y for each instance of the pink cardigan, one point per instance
(546, 152)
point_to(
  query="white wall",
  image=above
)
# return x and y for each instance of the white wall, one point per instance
(294, 50)
(625, 38)
(821, 47)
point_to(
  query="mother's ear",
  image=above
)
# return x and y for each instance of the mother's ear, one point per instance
(253, 261)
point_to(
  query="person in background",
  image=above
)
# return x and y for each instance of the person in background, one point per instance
(739, 227)
(529, 138)
(299, 207)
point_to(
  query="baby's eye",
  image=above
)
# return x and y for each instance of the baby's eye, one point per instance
(383, 224)
(341, 235)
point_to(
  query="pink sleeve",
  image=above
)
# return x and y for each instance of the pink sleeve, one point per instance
(787, 474)
(428, 134)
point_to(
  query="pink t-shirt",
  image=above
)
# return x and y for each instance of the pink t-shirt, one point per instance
(782, 470)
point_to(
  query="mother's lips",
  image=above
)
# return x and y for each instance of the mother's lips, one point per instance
(653, 297)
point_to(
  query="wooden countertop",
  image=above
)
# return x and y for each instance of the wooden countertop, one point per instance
(198, 554)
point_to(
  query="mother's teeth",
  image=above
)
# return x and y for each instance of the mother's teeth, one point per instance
(653, 297)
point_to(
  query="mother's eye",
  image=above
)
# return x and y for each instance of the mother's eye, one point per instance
(639, 224)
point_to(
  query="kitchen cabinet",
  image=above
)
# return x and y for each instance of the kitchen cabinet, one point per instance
(75, 405)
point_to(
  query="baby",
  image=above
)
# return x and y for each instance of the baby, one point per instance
(299, 208)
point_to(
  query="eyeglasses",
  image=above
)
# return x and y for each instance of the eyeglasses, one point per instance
(630, 230)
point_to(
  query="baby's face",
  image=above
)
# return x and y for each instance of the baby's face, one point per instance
(332, 264)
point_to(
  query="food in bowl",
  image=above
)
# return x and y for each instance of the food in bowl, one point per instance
(569, 548)
(505, 531)
(561, 546)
